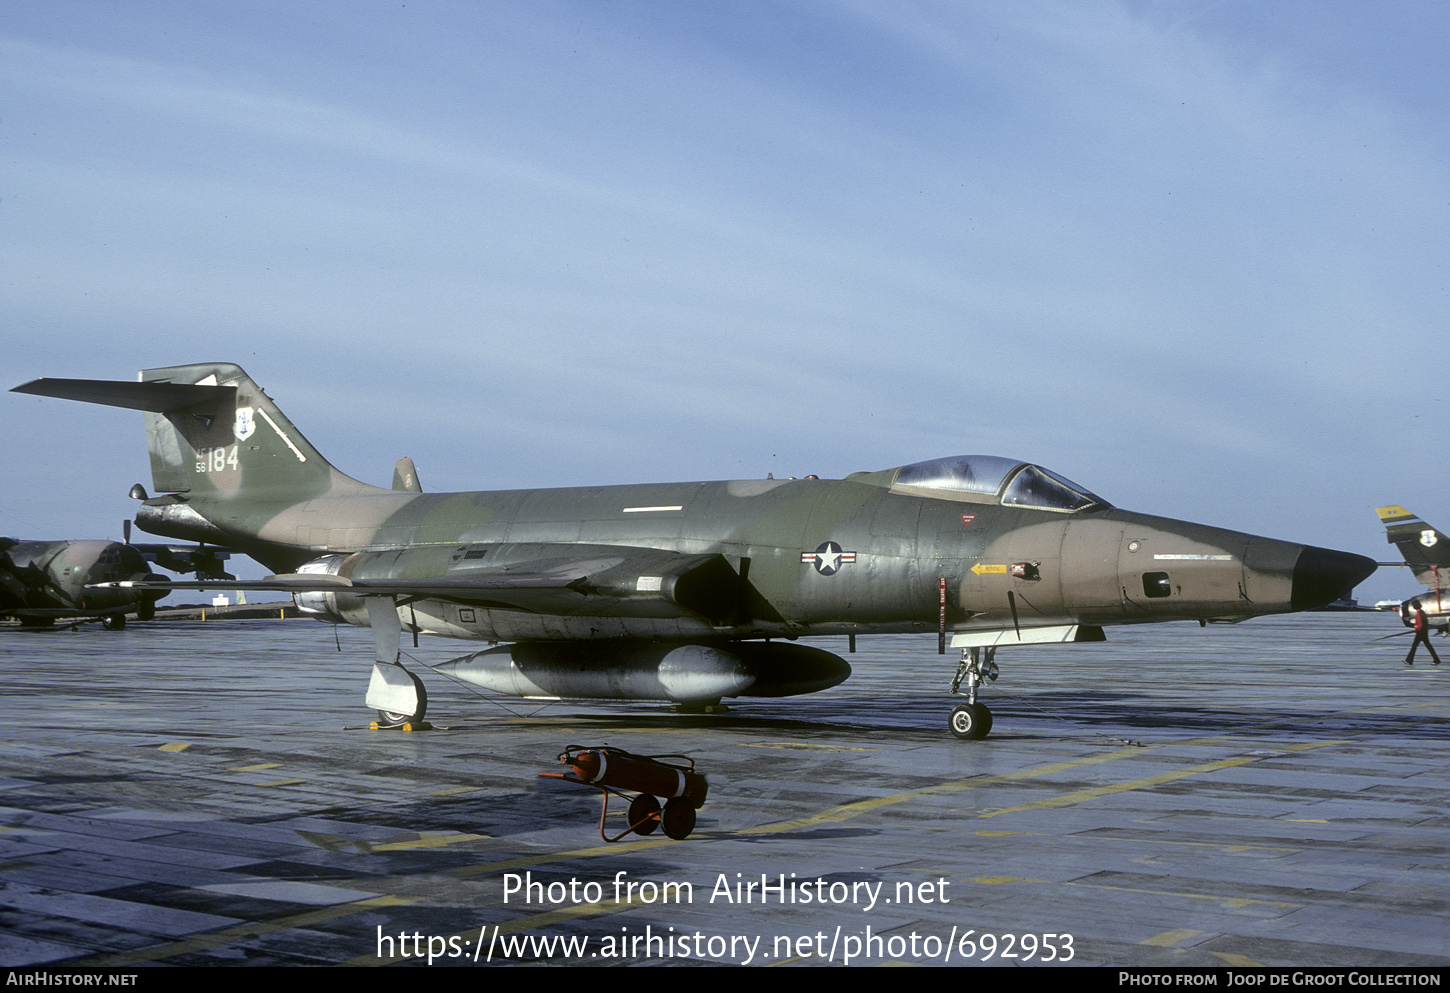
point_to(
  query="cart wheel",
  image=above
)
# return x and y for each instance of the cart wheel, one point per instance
(678, 818)
(644, 814)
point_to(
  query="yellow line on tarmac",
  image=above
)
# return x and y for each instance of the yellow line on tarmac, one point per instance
(226, 935)
(426, 840)
(1170, 938)
(843, 812)
(807, 746)
(849, 811)
(577, 853)
(852, 810)
(833, 815)
(1081, 796)
(1227, 902)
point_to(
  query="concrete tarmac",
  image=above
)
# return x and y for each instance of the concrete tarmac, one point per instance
(1270, 793)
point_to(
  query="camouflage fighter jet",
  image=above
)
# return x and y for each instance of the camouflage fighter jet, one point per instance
(1427, 553)
(688, 592)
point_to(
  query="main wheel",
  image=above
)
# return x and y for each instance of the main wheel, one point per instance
(970, 721)
(393, 717)
(644, 814)
(678, 818)
(113, 622)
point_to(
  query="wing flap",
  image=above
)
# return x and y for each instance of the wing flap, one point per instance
(627, 582)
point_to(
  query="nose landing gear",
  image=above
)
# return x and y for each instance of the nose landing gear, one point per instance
(972, 721)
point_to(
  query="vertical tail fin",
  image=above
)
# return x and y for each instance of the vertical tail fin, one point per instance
(212, 432)
(405, 477)
(1426, 550)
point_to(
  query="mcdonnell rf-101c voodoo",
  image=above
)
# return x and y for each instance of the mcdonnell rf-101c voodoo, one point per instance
(686, 592)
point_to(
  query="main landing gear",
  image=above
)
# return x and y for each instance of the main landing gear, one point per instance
(398, 696)
(972, 721)
(395, 693)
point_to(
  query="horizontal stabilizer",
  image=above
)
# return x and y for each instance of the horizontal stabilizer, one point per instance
(159, 398)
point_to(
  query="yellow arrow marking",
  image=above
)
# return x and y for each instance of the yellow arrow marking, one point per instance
(1170, 938)
(982, 567)
(427, 841)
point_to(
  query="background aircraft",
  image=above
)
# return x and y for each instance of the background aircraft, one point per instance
(689, 592)
(1427, 553)
(44, 581)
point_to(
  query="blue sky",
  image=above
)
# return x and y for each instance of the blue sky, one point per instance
(1191, 255)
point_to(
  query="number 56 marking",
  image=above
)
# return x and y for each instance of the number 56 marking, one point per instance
(216, 459)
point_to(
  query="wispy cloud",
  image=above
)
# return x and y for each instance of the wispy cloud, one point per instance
(1182, 254)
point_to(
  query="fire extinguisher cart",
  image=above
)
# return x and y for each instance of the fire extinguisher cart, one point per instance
(649, 777)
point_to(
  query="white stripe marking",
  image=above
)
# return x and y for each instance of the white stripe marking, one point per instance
(282, 434)
(651, 510)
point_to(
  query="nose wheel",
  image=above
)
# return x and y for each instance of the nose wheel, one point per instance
(972, 721)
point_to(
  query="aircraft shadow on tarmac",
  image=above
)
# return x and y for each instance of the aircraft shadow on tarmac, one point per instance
(1042, 715)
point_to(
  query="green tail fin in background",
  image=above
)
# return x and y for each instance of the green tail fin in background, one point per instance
(1425, 549)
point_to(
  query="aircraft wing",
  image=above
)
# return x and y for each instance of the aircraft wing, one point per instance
(607, 582)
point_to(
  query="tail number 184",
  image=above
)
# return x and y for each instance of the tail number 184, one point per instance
(217, 459)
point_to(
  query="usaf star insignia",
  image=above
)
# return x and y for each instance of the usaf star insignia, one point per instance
(828, 558)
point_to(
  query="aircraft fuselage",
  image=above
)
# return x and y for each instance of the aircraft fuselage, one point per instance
(805, 557)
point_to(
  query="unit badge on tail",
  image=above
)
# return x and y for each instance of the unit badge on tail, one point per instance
(244, 426)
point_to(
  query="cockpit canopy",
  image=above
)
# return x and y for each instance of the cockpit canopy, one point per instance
(992, 479)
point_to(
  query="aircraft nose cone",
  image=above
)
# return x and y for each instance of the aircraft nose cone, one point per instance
(1322, 575)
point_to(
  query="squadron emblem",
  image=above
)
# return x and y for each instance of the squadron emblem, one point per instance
(244, 426)
(828, 558)
(1428, 538)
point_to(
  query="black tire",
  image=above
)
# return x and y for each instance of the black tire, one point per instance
(113, 622)
(678, 818)
(970, 721)
(644, 814)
